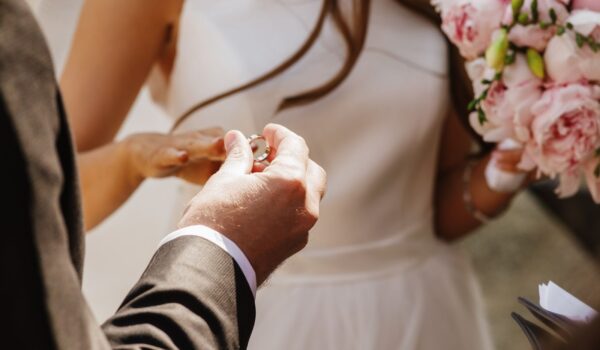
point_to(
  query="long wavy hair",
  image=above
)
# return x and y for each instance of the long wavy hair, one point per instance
(354, 32)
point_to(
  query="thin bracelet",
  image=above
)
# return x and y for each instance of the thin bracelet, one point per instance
(468, 198)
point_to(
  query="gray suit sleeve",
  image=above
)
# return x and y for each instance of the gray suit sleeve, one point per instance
(192, 296)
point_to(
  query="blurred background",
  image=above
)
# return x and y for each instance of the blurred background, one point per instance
(527, 246)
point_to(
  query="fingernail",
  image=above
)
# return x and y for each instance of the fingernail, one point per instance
(230, 141)
(183, 156)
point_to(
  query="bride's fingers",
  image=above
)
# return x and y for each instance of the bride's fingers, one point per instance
(508, 156)
(171, 157)
(201, 146)
(508, 167)
(214, 132)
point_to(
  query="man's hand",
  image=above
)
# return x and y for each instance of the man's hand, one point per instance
(267, 214)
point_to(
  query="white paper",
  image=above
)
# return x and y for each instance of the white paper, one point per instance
(555, 299)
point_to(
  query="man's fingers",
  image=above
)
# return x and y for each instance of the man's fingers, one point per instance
(316, 179)
(316, 183)
(258, 167)
(239, 154)
(289, 152)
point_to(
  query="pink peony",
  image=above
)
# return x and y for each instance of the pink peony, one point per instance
(508, 103)
(566, 62)
(593, 5)
(469, 24)
(532, 35)
(565, 134)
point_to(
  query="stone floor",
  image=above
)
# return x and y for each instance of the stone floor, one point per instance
(519, 251)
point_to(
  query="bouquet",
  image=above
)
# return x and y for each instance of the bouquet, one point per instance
(535, 68)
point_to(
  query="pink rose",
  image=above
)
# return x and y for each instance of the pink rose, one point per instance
(565, 134)
(566, 62)
(593, 5)
(469, 24)
(508, 103)
(532, 35)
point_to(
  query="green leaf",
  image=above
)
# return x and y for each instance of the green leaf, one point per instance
(496, 53)
(553, 16)
(481, 116)
(535, 15)
(544, 25)
(536, 63)
(523, 19)
(580, 39)
(560, 31)
(517, 5)
(486, 82)
(570, 26)
(471, 106)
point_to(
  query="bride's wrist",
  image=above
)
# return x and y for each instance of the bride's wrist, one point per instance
(129, 162)
(481, 200)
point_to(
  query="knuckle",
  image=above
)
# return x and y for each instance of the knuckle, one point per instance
(296, 186)
(303, 240)
(313, 214)
(322, 174)
(312, 217)
(302, 144)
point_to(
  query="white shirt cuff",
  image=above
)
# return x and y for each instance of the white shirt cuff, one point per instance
(222, 242)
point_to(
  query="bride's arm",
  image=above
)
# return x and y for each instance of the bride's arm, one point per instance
(452, 219)
(114, 48)
(111, 173)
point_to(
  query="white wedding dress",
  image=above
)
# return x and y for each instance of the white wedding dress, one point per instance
(373, 275)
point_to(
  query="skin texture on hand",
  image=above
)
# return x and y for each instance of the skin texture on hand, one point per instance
(268, 213)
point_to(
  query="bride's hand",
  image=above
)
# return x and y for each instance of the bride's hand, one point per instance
(192, 156)
(508, 161)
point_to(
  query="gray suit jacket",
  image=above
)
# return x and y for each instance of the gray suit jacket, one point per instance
(191, 296)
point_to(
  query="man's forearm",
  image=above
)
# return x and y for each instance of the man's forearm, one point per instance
(193, 295)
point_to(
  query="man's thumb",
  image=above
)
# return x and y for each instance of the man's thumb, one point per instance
(239, 154)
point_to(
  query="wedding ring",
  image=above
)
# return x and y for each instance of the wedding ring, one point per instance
(264, 151)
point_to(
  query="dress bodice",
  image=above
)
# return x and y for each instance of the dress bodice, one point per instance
(376, 135)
